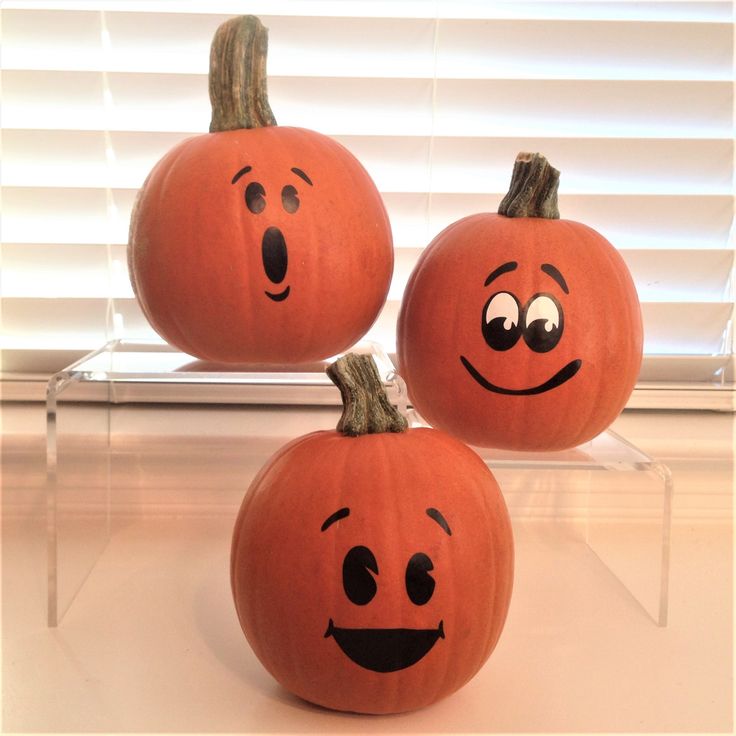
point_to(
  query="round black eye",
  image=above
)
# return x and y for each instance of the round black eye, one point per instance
(419, 583)
(290, 199)
(543, 323)
(500, 323)
(359, 584)
(255, 197)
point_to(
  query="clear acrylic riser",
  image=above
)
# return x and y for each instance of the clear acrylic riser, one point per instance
(138, 429)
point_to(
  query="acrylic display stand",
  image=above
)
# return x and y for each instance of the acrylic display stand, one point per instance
(103, 440)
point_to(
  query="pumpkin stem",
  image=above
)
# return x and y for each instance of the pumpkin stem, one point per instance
(237, 79)
(533, 189)
(366, 407)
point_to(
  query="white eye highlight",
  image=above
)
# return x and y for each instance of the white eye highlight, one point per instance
(544, 311)
(543, 323)
(500, 326)
(505, 308)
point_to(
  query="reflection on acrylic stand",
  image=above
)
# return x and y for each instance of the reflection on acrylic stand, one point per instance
(613, 496)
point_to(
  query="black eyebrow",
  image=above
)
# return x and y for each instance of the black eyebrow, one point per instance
(435, 515)
(550, 270)
(302, 175)
(240, 173)
(510, 266)
(332, 518)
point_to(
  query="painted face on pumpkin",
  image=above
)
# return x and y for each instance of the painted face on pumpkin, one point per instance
(385, 649)
(540, 322)
(274, 253)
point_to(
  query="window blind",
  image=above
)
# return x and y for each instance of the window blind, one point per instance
(633, 102)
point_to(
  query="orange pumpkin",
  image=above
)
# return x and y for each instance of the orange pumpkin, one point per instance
(520, 330)
(372, 566)
(258, 243)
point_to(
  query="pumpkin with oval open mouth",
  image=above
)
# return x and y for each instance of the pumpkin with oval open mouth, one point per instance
(520, 330)
(257, 242)
(372, 566)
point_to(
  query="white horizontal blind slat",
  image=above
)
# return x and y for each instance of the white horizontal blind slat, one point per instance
(52, 271)
(387, 106)
(698, 329)
(83, 215)
(674, 276)
(60, 270)
(695, 167)
(382, 47)
(542, 49)
(694, 11)
(632, 101)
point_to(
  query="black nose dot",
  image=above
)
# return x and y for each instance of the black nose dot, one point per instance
(274, 254)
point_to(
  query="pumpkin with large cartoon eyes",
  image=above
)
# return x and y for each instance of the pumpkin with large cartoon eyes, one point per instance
(520, 330)
(372, 566)
(257, 242)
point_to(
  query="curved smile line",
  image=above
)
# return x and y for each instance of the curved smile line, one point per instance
(385, 650)
(280, 296)
(564, 374)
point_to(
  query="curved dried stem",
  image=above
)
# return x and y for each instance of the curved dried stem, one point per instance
(237, 80)
(366, 407)
(533, 189)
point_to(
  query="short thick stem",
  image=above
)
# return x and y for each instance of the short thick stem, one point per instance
(366, 407)
(533, 189)
(237, 80)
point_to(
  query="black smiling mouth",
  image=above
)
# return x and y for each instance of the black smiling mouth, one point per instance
(280, 296)
(564, 374)
(385, 650)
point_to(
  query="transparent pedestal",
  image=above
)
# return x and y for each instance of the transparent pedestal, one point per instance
(137, 430)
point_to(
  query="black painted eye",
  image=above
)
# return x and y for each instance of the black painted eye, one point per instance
(501, 321)
(359, 584)
(543, 323)
(290, 199)
(419, 583)
(255, 197)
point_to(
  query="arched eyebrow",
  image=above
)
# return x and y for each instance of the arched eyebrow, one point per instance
(302, 175)
(332, 518)
(435, 515)
(240, 173)
(505, 268)
(550, 270)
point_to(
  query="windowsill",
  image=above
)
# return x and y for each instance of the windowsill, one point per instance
(647, 395)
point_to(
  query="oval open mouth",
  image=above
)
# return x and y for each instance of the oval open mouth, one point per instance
(275, 256)
(564, 374)
(385, 650)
